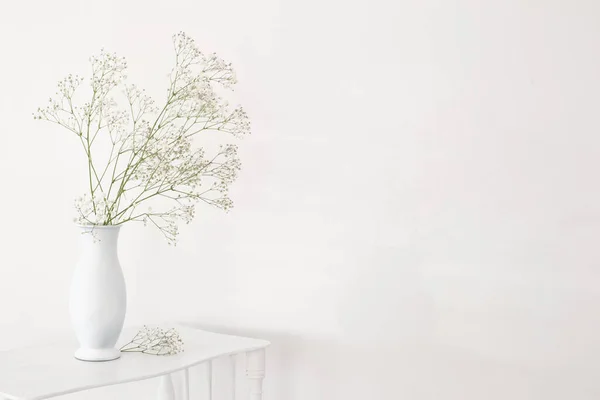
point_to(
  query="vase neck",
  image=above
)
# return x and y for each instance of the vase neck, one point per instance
(101, 239)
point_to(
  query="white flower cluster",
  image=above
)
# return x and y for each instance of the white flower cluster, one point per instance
(85, 205)
(152, 154)
(155, 341)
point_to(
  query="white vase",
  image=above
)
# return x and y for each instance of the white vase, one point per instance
(98, 299)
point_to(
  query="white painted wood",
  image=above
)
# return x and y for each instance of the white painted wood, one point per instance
(233, 377)
(186, 384)
(255, 371)
(39, 373)
(166, 391)
(209, 379)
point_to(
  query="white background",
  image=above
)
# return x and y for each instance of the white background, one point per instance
(418, 215)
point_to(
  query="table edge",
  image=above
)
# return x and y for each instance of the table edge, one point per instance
(264, 345)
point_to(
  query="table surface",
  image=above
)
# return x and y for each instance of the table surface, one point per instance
(37, 373)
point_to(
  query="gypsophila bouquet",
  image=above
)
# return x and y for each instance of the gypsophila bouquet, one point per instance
(150, 151)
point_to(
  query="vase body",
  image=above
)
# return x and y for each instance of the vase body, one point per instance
(98, 299)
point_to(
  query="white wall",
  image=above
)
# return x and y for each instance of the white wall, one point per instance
(419, 211)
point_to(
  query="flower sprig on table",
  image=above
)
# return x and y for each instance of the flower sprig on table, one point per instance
(151, 154)
(155, 341)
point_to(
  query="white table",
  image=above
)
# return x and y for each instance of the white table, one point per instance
(38, 373)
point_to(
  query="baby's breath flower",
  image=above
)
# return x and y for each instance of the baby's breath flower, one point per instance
(155, 341)
(152, 153)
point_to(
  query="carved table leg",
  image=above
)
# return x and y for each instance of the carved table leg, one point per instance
(166, 391)
(209, 378)
(255, 371)
(233, 377)
(186, 384)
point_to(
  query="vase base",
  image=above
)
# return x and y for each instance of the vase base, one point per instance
(97, 354)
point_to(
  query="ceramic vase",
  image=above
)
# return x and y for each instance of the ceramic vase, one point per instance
(98, 299)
